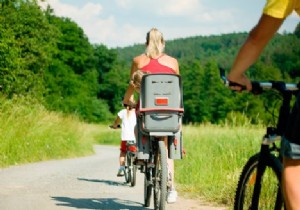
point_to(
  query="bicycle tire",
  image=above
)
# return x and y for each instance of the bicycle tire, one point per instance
(160, 177)
(147, 187)
(127, 173)
(266, 192)
(133, 169)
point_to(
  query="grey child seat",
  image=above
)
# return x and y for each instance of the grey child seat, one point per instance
(160, 113)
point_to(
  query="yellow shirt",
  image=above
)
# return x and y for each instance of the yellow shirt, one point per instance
(281, 8)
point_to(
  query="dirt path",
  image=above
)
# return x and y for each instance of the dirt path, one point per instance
(81, 183)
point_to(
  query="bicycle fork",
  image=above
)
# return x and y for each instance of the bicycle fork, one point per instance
(262, 164)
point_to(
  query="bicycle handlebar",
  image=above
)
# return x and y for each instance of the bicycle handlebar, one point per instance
(259, 86)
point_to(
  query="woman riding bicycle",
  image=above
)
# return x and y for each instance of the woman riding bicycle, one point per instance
(274, 14)
(154, 61)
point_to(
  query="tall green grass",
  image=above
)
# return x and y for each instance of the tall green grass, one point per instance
(30, 133)
(214, 159)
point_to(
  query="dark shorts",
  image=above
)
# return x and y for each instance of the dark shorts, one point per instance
(290, 145)
(289, 149)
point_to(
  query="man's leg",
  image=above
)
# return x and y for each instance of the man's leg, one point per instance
(291, 183)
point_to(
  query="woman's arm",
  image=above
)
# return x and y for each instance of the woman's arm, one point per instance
(129, 97)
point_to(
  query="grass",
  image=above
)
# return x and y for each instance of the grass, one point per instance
(214, 159)
(29, 133)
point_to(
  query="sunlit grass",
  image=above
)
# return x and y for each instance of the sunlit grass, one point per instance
(30, 133)
(214, 159)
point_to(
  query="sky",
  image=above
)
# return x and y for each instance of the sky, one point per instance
(121, 23)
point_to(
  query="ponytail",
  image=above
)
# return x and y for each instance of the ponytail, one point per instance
(155, 43)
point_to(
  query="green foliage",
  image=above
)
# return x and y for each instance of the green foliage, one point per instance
(26, 47)
(113, 77)
(297, 31)
(72, 79)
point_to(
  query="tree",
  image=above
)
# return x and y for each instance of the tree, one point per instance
(297, 30)
(27, 40)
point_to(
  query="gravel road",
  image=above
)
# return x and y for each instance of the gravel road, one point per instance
(80, 183)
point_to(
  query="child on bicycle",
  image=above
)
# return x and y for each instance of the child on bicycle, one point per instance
(128, 118)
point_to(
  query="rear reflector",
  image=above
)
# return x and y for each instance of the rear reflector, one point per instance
(161, 101)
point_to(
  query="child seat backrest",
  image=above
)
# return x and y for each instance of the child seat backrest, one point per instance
(161, 103)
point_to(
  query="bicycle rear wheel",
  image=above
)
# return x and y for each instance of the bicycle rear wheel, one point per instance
(160, 177)
(148, 187)
(268, 192)
(132, 171)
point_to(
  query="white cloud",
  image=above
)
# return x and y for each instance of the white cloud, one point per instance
(124, 3)
(179, 7)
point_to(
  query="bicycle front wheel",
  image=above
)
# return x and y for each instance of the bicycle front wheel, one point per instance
(267, 194)
(127, 172)
(160, 179)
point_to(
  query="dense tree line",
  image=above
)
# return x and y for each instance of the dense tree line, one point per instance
(50, 60)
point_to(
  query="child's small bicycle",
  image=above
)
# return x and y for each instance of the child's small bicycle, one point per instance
(130, 166)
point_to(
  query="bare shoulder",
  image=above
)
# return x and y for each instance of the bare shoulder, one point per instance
(171, 62)
(170, 59)
(140, 60)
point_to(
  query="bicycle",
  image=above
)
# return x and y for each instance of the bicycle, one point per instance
(264, 168)
(130, 167)
(130, 157)
(159, 120)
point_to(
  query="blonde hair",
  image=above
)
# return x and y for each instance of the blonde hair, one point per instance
(155, 43)
(136, 78)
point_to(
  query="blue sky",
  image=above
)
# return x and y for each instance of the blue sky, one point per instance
(120, 23)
